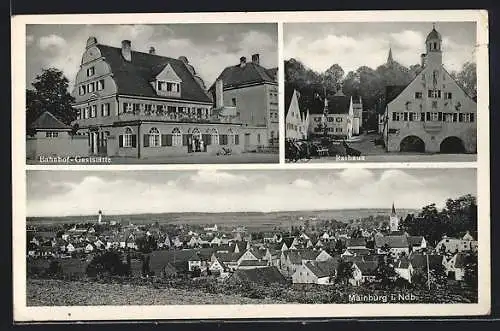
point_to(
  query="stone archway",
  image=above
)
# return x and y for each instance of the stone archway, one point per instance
(452, 145)
(412, 144)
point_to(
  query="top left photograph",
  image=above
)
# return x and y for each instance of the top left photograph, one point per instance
(198, 93)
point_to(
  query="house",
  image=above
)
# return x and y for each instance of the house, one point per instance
(356, 252)
(427, 262)
(182, 260)
(260, 276)
(455, 267)
(250, 90)
(316, 272)
(296, 120)
(453, 245)
(250, 255)
(241, 246)
(417, 243)
(89, 248)
(229, 259)
(404, 268)
(396, 244)
(432, 113)
(138, 104)
(363, 272)
(49, 136)
(335, 114)
(356, 243)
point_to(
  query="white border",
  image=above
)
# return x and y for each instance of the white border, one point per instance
(23, 313)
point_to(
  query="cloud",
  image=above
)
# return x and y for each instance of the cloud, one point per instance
(30, 39)
(320, 50)
(225, 191)
(51, 42)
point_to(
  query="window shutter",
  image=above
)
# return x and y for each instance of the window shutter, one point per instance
(422, 117)
(236, 139)
(146, 140)
(120, 140)
(440, 116)
(163, 140)
(168, 141)
(428, 116)
(134, 140)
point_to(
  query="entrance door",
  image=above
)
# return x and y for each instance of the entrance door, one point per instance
(103, 143)
(247, 141)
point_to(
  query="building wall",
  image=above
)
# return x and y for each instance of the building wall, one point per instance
(294, 126)
(431, 132)
(63, 145)
(338, 124)
(304, 276)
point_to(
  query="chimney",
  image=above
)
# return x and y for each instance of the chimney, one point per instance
(255, 58)
(152, 50)
(219, 93)
(243, 61)
(422, 60)
(126, 50)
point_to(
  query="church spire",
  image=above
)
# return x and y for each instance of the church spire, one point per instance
(393, 212)
(389, 57)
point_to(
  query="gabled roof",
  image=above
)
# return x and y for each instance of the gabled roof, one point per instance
(273, 73)
(367, 268)
(134, 77)
(289, 92)
(360, 241)
(251, 73)
(228, 257)
(339, 104)
(402, 263)
(48, 121)
(415, 240)
(460, 260)
(253, 263)
(399, 241)
(420, 261)
(323, 269)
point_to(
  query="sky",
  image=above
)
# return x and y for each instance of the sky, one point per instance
(67, 193)
(352, 45)
(208, 47)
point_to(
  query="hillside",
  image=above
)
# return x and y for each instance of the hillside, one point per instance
(45, 292)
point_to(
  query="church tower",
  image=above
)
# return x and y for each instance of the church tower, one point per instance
(99, 217)
(434, 55)
(394, 220)
(390, 60)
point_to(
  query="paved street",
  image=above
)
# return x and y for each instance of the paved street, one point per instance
(187, 159)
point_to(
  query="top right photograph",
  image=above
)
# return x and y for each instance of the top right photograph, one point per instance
(380, 92)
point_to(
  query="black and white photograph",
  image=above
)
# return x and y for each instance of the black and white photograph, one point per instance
(381, 91)
(157, 93)
(287, 236)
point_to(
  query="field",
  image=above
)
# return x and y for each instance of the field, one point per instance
(47, 292)
(252, 220)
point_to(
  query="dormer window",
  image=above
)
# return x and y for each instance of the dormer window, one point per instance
(167, 82)
(90, 71)
(168, 86)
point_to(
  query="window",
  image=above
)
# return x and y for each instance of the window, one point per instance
(176, 137)
(136, 107)
(87, 112)
(434, 104)
(460, 117)
(105, 109)
(447, 95)
(418, 95)
(434, 94)
(78, 114)
(51, 134)
(395, 116)
(434, 117)
(90, 71)
(422, 117)
(91, 87)
(455, 117)
(93, 111)
(233, 102)
(448, 117)
(411, 116)
(215, 136)
(100, 85)
(405, 116)
(338, 119)
(127, 138)
(338, 130)
(330, 119)
(154, 137)
(471, 117)
(258, 138)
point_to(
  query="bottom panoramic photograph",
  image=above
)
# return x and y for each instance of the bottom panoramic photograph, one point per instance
(315, 236)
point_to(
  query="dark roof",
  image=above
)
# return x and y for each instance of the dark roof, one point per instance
(356, 242)
(273, 73)
(324, 268)
(419, 261)
(251, 73)
(133, 78)
(265, 275)
(433, 35)
(402, 263)
(228, 257)
(339, 104)
(160, 259)
(48, 121)
(392, 241)
(460, 260)
(252, 263)
(360, 251)
(415, 240)
(392, 91)
(367, 268)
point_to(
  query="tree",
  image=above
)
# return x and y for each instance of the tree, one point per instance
(51, 94)
(471, 270)
(467, 78)
(385, 272)
(332, 78)
(344, 272)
